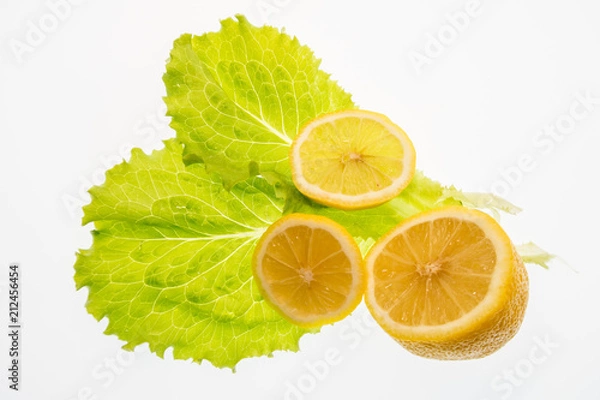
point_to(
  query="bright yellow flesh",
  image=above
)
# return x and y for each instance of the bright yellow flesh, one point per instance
(352, 159)
(435, 272)
(351, 156)
(447, 284)
(310, 269)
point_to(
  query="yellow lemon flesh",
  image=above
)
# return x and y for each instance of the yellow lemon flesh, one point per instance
(352, 159)
(309, 269)
(447, 284)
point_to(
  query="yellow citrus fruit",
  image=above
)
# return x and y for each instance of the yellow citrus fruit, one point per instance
(352, 159)
(447, 284)
(309, 269)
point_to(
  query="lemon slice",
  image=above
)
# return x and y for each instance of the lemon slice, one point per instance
(447, 284)
(309, 269)
(352, 159)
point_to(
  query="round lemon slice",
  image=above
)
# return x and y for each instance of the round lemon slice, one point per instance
(352, 159)
(309, 269)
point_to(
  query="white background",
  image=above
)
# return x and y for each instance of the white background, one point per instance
(73, 103)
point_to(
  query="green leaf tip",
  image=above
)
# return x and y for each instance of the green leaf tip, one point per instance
(533, 254)
(483, 201)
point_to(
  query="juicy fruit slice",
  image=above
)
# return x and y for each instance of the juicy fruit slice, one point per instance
(309, 269)
(447, 284)
(352, 159)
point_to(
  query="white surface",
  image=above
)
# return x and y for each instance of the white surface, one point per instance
(93, 87)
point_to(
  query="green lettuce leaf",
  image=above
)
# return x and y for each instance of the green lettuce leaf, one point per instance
(238, 97)
(531, 253)
(170, 261)
(369, 224)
